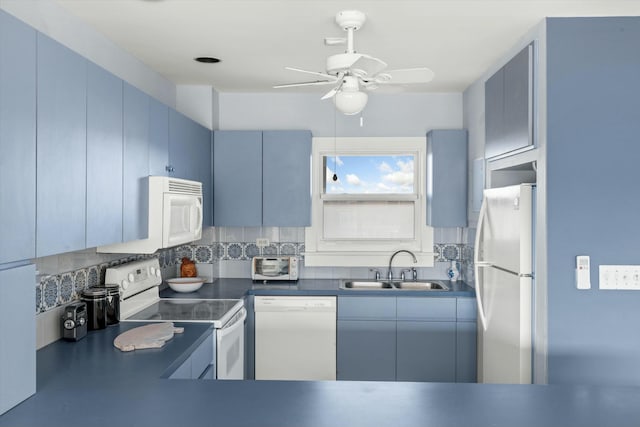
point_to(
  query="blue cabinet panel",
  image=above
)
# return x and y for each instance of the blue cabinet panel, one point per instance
(237, 172)
(286, 178)
(366, 350)
(426, 351)
(466, 309)
(190, 152)
(61, 148)
(104, 157)
(135, 164)
(158, 138)
(17, 139)
(378, 308)
(447, 178)
(18, 331)
(418, 308)
(466, 365)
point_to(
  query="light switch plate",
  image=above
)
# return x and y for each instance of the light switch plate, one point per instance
(619, 277)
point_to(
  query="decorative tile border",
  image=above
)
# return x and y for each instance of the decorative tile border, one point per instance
(242, 251)
(59, 289)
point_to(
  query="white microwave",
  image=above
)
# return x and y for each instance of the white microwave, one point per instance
(175, 216)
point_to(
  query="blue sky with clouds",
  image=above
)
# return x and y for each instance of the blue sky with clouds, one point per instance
(370, 174)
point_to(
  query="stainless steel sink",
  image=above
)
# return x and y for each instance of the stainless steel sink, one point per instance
(378, 284)
(365, 284)
(421, 286)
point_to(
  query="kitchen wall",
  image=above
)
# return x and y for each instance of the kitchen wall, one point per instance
(237, 245)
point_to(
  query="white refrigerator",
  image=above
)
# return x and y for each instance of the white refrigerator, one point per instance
(504, 284)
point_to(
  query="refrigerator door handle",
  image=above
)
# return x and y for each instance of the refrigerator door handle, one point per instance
(477, 262)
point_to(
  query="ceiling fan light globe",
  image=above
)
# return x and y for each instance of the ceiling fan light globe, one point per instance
(350, 102)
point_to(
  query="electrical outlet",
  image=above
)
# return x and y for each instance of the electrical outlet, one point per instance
(261, 242)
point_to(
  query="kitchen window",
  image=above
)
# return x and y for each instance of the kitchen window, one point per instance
(374, 206)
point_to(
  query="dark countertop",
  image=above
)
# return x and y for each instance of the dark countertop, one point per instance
(238, 288)
(92, 384)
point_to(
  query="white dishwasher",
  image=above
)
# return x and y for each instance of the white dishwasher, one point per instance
(295, 337)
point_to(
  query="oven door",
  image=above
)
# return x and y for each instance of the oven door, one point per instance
(182, 219)
(230, 348)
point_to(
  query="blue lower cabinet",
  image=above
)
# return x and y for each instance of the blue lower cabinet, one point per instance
(426, 351)
(200, 364)
(18, 349)
(366, 350)
(406, 339)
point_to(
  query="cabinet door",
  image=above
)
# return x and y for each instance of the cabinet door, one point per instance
(509, 106)
(237, 178)
(286, 178)
(517, 123)
(493, 114)
(17, 139)
(190, 154)
(366, 350)
(426, 351)
(104, 157)
(447, 178)
(18, 331)
(136, 164)
(61, 148)
(466, 364)
(158, 138)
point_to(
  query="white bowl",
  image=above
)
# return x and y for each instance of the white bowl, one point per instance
(185, 284)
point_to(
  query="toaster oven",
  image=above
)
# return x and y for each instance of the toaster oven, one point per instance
(274, 268)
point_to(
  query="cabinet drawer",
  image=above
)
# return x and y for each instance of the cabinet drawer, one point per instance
(202, 357)
(183, 372)
(426, 309)
(466, 309)
(367, 308)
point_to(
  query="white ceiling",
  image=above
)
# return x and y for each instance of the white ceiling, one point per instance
(458, 39)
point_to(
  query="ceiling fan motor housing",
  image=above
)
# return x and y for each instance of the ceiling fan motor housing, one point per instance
(353, 19)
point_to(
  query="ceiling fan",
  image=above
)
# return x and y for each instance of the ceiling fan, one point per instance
(350, 72)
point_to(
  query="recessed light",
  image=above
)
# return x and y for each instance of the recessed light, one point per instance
(207, 59)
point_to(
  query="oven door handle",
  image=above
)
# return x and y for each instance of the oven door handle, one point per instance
(230, 327)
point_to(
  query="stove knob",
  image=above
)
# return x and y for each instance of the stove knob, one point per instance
(124, 284)
(152, 270)
(130, 276)
(158, 273)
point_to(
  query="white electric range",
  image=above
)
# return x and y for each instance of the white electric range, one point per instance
(140, 301)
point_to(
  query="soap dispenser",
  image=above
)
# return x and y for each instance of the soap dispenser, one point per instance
(453, 272)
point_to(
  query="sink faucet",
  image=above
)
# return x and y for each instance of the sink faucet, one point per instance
(389, 273)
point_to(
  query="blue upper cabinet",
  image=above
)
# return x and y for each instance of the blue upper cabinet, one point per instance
(286, 178)
(61, 148)
(136, 164)
(509, 106)
(237, 178)
(190, 152)
(104, 157)
(158, 138)
(17, 139)
(447, 178)
(262, 178)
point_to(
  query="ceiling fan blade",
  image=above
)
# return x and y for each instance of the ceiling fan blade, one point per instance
(367, 66)
(335, 90)
(408, 76)
(330, 93)
(315, 83)
(315, 73)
